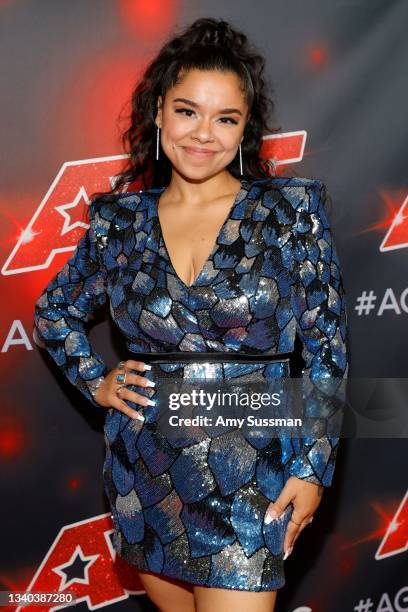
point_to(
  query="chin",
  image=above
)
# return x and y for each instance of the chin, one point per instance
(194, 173)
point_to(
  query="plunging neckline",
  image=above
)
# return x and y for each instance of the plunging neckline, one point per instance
(158, 193)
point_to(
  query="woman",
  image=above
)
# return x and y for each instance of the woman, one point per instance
(222, 266)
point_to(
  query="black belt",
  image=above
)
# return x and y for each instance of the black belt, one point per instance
(218, 356)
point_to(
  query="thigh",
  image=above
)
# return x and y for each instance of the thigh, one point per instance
(168, 594)
(208, 599)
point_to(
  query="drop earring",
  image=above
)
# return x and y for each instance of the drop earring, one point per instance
(157, 143)
(240, 158)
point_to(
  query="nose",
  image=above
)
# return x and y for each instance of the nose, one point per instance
(203, 131)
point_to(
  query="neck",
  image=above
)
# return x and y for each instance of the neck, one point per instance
(185, 190)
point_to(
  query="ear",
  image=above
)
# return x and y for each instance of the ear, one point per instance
(159, 112)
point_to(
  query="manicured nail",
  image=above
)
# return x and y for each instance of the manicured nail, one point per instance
(287, 553)
(147, 366)
(139, 417)
(270, 516)
(150, 402)
(150, 383)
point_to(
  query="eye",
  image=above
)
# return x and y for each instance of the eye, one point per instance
(233, 121)
(184, 110)
(188, 112)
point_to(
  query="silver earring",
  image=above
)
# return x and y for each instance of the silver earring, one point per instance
(157, 143)
(240, 158)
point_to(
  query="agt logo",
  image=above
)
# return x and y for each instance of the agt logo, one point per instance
(61, 217)
(395, 540)
(397, 234)
(82, 561)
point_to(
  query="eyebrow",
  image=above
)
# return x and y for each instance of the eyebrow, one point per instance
(225, 111)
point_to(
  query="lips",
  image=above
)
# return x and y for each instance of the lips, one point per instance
(199, 152)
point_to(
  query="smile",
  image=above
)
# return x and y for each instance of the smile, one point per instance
(198, 152)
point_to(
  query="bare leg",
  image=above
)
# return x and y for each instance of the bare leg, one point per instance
(168, 594)
(209, 599)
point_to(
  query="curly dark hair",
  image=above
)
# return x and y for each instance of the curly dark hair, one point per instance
(207, 44)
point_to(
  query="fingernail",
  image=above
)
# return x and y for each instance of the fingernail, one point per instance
(270, 516)
(139, 417)
(150, 383)
(147, 366)
(150, 402)
(287, 553)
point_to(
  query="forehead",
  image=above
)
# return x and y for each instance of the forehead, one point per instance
(209, 87)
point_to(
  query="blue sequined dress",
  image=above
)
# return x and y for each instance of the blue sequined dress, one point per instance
(195, 512)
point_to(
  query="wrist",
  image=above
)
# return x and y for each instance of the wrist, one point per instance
(94, 385)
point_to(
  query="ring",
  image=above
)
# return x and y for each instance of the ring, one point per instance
(121, 365)
(119, 391)
(121, 378)
(308, 522)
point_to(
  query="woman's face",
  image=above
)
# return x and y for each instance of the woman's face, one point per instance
(202, 122)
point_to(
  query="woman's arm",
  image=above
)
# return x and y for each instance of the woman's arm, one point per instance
(319, 305)
(67, 304)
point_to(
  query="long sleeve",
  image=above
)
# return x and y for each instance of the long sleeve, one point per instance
(64, 308)
(319, 305)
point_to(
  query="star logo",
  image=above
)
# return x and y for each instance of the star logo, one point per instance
(74, 219)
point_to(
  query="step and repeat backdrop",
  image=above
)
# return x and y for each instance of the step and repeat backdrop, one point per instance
(340, 89)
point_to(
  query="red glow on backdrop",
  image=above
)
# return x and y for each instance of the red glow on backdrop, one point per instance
(19, 581)
(391, 207)
(345, 560)
(346, 566)
(394, 220)
(74, 484)
(148, 19)
(90, 112)
(383, 517)
(318, 55)
(11, 230)
(11, 440)
(342, 566)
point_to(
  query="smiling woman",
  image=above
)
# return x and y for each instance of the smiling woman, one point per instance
(211, 272)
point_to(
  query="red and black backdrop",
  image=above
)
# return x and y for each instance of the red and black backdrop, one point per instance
(338, 71)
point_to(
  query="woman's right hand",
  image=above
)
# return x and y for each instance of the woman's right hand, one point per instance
(111, 393)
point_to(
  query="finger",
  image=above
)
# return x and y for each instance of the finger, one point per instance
(139, 380)
(131, 364)
(272, 513)
(276, 508)
(136, 398)
(301, 518)
(123, 407)
(290, 536)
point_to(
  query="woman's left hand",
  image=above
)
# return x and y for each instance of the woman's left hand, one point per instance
(305, 497)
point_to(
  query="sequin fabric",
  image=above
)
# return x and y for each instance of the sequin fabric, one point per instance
(196, 511)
